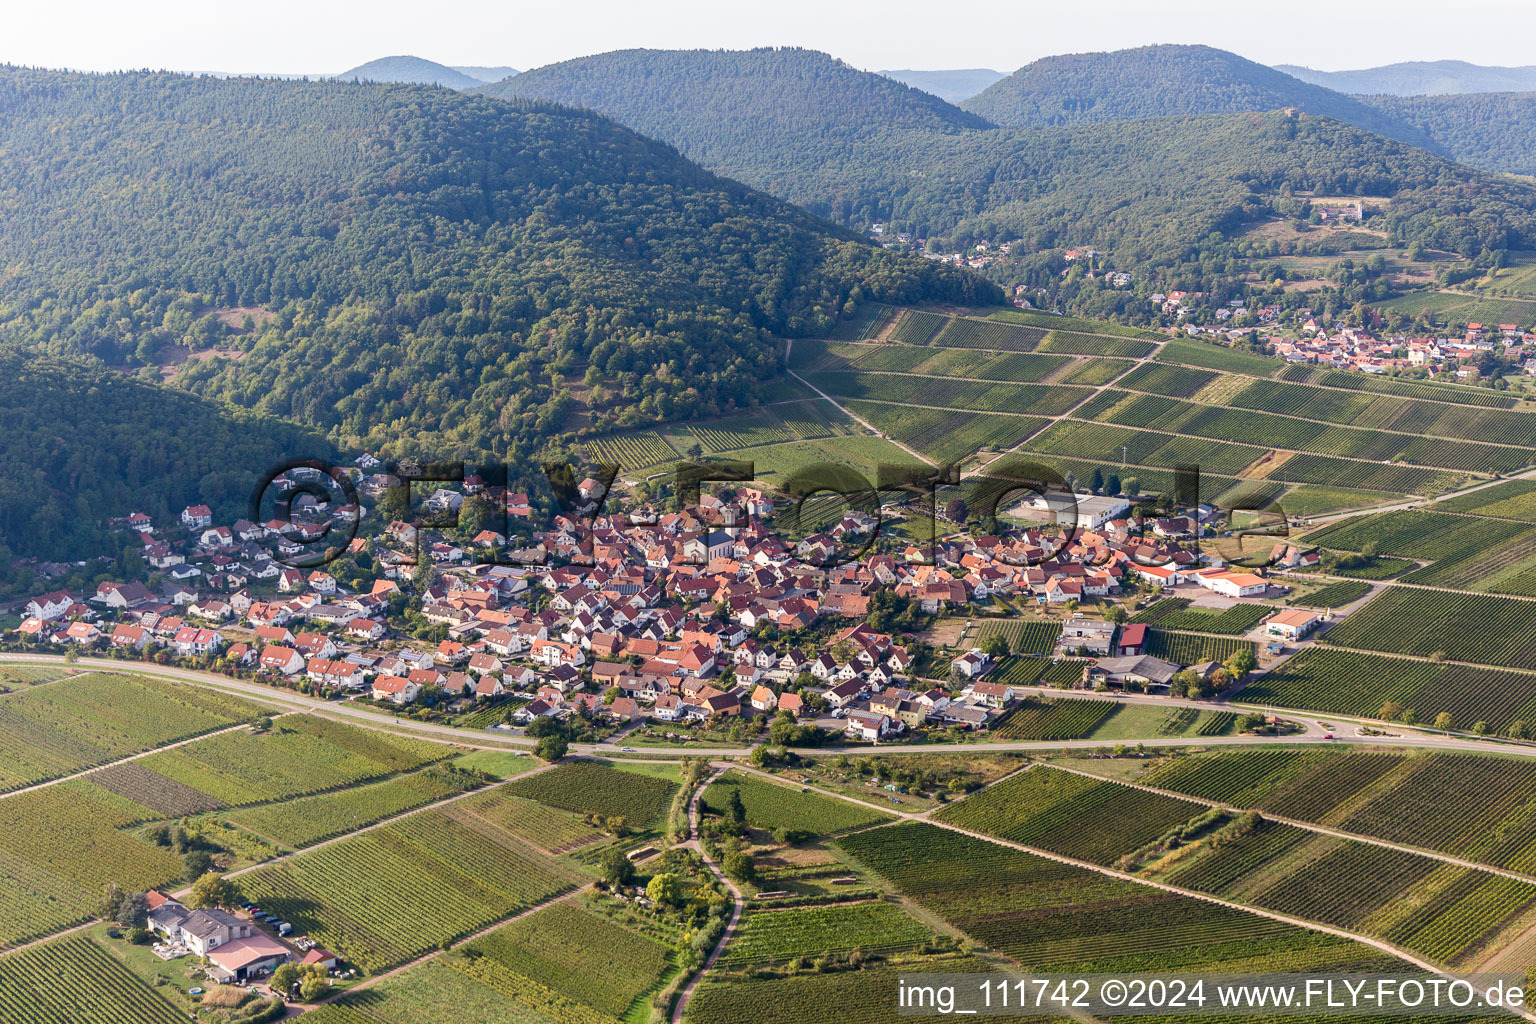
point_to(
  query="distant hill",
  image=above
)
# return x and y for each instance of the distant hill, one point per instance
(793, 122)
(1495, 131)
(950, 86)
(407, 268)
(1164, 81)
(1420, 78)
(411, 71)
(858, 148)
(484, 74)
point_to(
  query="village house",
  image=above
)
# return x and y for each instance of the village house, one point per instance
(395, 688)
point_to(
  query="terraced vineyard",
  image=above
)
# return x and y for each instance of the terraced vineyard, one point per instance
(301, 754)
(1176, 613)
(1336, 595)
(65, 727)
(637, 450)
(777, 935)
(1070, 814)
(952, 392)
(1119, 446)
(1167, 379)
(1217, 357)
(1304, 435)
(1387, 386)
(475, 872)
(1024, 636)
(1415, 800)
(75, 981)
(1404, 415)
(43, 891)
(963, 333)
(1462, 627)
(1095, 370)
(1094, 345)
(915, 327)
(943, 435)
(1445, 913)
(741, 432)
(309, 820)
(1066, 719)
(589, 788)
(562, 964)
(1189, 649)
(1351, 683)
(771, 806)
(1053, 916)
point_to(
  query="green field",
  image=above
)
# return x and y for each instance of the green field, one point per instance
(562, 965)
(75, 981)
(771, 806)
(388, 895)
(1460, 627)
(777, 935)
(1070, 814)
(1054, 916)
(588, 788)
(1357, 684)
(308, 820)
(300, 754)
(78, 723)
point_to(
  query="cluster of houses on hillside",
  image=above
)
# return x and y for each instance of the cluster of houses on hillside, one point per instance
(669, 616)
(1350, 348)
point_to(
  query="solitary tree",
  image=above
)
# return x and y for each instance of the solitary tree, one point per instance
(196, 864)
(552, 747)
(1443, 720)
(735, 813)
(664, 889)
(134, 911)
(617, 868)
(212, 890)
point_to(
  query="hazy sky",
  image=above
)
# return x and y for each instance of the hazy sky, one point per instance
(320, 36)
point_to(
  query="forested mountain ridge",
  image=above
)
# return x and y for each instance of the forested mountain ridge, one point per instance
(404, 267)
(1164, 190)
(1495, 131)
(1165, 81)
(797, 123)
(1420, 78)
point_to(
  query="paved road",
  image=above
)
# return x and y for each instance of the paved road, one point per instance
(1313, 724)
